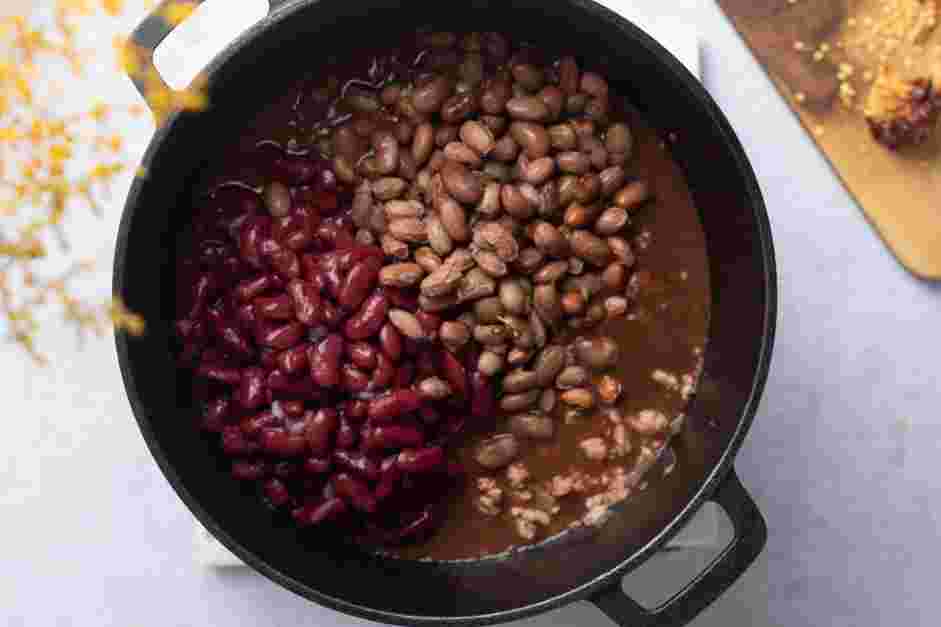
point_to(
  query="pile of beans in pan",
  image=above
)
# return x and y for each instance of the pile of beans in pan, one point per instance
(441, 255)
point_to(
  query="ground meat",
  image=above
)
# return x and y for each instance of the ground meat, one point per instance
(594, 448)
(527, 519)
(621, 444)
(521, 496)
(491, 496)
(666, 379)
(525, 528)
(648, 422)
(517, 474)
(561, 486)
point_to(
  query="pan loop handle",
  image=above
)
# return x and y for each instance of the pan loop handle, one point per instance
(751, 533)
(149, 34)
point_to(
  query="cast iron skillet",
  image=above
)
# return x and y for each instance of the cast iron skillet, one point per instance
(296, 36)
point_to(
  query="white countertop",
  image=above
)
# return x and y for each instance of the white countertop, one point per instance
(842, 458)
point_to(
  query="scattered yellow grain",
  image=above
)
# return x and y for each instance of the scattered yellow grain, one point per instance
(43, 171)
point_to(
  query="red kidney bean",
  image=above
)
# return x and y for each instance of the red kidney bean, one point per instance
(402, 298)
(286, 225)
(317, 465)
(253, 470)
(298, 240)
(326, 203)
(335, 236)
(203, 289)
(294, 409)
(252, 425)
(356, 409)
(454, 372)
(425, 365)
(282, 259)
(234, 442)
(310, 266)
(310, 515)
(282, 337)
(391, 341)
(355, 491)
(483, 398)
(346, 434)
(251, 393)
(405, 375)
(362, 354)
(191, 330)
(369, 319)
(230, 336)
(430, 323)
(321, 425)
(358, 463)
(324, 360)
(276, 492)
(359, 283)
(246, 317)
(358, 253)
(215, 413)
(295, 426)
(309, 215)
(235, 340)
(415, 460)
(389, 480)
(355, 380)
(274, 307)
(293, 360)
(280, 383)
(394, 404)
(330, 314)
(295, 231)
(306, 300)
(280, 443)
(222, 374)
(251, 234)
(392, 436)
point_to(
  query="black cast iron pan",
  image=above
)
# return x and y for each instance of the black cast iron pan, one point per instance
(264, 61)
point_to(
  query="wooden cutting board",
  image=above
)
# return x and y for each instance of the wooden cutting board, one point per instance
(823, 56)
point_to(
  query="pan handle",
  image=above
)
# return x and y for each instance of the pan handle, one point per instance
(751, 532)
(150, 33)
